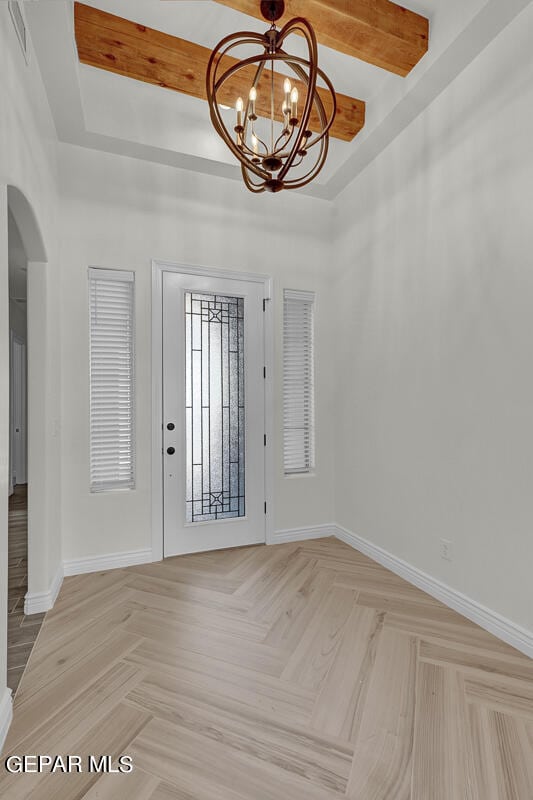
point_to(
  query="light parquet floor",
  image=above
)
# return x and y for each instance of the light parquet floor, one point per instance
(303, 671)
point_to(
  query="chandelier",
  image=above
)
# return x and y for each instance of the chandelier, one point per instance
(281, 128)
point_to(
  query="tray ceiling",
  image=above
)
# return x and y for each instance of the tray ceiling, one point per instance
(105, 110)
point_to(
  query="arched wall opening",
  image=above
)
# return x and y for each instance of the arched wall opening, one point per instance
(27, 224)
(44, 547)
(21, 212)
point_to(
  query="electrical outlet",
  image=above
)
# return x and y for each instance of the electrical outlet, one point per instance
(446, 549)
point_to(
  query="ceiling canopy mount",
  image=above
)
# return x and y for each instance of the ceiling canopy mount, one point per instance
(272, 10)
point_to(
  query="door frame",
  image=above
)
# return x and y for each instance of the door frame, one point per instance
(158, 268)
(18, 456)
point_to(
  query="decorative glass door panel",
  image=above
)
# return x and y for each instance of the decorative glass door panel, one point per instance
(213, 408)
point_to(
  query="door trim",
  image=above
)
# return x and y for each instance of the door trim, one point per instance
(158, 268)
(18, 460)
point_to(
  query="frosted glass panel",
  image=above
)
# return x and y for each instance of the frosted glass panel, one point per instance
(214, 401)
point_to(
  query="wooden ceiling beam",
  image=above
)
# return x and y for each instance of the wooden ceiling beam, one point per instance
(377, 31)
(128, 48)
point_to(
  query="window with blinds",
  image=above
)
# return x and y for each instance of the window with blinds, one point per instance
(298, 382)
(112, 380)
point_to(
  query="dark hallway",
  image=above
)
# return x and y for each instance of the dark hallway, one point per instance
(22, 630)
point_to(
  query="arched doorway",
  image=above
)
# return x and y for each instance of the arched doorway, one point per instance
(26, 265)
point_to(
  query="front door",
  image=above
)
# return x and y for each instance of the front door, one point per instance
(213, 413)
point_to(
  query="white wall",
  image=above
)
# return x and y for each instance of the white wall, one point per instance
(435, 296)
(18, 265)
(17, 320)
(118, 212)
(423, 325)
(4, 451)
(27, 161)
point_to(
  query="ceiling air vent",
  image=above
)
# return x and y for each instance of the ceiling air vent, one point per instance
(15, 7)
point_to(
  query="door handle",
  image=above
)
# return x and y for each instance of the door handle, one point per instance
(171, 450)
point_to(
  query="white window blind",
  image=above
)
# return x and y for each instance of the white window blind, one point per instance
(298, 382)
(112, 380)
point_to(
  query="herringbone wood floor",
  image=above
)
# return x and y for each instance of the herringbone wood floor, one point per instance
(298, 672)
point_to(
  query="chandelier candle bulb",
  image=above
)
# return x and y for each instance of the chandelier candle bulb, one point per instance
(255, 143)
(287, 88)
(253, 98)
(239, 106)
(294, 103)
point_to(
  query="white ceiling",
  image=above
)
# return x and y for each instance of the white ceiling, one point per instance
(98, 109)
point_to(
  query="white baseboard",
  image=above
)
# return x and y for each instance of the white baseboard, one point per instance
(79, 566)
(6, 715)
(491, 621)
(37, 602)
(503, 628)
(300, 534)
